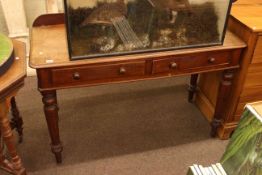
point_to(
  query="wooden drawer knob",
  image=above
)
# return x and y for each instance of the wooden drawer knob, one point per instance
(211, 60)
(76, 76)
(173, 65)
(122, 70)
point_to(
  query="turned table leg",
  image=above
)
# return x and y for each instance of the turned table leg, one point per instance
(222, 99)
(192, 87)
(17, 121)
(4, 162)
(51, 114)
(16, 166)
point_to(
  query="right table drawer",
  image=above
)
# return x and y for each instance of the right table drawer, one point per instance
(185, 63)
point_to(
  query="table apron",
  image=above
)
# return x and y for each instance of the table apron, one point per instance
(132, 70)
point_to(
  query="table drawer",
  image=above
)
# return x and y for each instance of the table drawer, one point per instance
(185, 63)
(96, 73)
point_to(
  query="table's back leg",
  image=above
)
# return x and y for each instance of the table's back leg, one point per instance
(8, 138)
(17, 121)
(192, 87)
(222, 100)
(51, 114)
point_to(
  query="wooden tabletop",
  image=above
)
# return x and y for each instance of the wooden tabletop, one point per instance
(49, 49)
(249, 14)
(248, 2)
(17, 71)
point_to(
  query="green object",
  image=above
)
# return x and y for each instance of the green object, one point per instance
(243, 155)
(6, 48)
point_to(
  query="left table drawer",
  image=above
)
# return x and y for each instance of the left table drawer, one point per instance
(97, 73)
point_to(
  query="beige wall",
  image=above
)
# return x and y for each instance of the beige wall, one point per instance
(3, 27)
(33, 9)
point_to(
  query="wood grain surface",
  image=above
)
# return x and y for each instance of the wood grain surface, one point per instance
(244, 2)
(249, 15)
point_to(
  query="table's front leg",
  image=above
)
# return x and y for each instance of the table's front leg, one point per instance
(51, 114)
(222, 100)
(5, 164)
(16, 166)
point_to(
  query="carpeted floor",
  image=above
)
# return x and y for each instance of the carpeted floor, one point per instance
(141, 128)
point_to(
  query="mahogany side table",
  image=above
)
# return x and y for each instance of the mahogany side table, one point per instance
(10, 83)
(49, 56)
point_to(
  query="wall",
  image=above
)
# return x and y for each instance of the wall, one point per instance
(33, 9)
(25, 16)
(3, 27)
